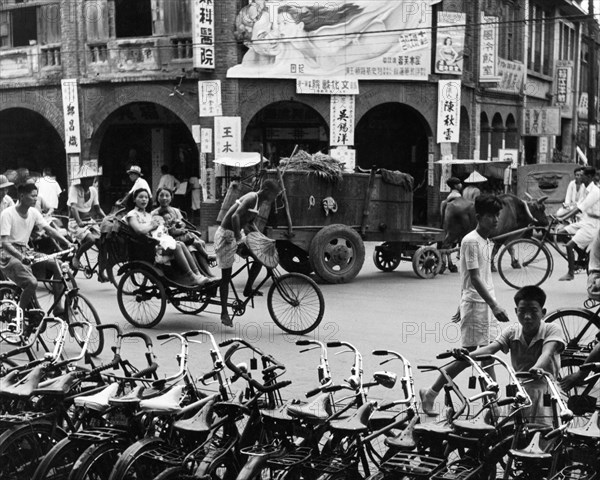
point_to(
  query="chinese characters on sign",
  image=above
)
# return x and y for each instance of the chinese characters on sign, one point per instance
(488, 49)
(228, 138)
(342, 119)
(564, 70)
(450, 43)
(345, 155)
(209, 98)
(71, 116)
(511, 76)
(327, 86)
(204, 34)
(448, 127)
(206, 140)
(541, 121)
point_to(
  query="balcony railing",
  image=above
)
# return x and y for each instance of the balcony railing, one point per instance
(98, 53)
(50, 56)
(182, 48)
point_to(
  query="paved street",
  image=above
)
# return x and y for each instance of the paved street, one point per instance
(378, 310)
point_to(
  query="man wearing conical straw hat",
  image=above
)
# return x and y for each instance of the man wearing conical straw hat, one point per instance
(473, 182)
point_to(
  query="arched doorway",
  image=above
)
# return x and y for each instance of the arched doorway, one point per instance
(29, 141)
(144, 134)
(484, 137)
(512, 134)
(395, 136)
(279, 127)
(497, 134)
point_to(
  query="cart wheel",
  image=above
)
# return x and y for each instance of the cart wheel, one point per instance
(293, 259)
(142, 298)
(295, 303)
(386, 260)
(337, 253)
(427, 262)
(113, 272)
(189, 303)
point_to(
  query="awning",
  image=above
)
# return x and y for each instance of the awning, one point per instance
(241, 159)
(489, 169)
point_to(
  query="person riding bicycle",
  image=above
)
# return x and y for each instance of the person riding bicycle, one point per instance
(586, 229)
(229, 236)
(575, 193)
(534, 346)
(16, 225)
(83, 202)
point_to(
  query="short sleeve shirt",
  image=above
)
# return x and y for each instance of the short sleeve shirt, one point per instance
(49, 190)
(141, 183)
(590, 205)
(77, 199)
(6, 202)
(523, 356)
(18, 229)
(475, 253)
(141, 216)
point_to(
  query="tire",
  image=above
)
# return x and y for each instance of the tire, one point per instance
(580, 327)
(295, 303)
(113, 272)
(97, 461)
(293, 259)
(132, 464)
(90, 262)
(535, 263)
(59, 461)
(337, 253)
(182, 302)
(386, 259)
(427, 262)
(79, 309)
(22, 448)
(173, 473)
(142, 298)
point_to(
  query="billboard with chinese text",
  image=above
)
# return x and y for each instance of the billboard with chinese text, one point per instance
(365, 39)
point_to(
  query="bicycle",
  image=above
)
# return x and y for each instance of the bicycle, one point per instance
(529, 261)
(77, 307)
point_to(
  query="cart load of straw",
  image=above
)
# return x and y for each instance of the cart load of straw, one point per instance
(319, 164)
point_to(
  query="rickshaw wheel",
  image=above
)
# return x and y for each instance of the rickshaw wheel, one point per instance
(385, 259)
(427, 262)
(142, 298)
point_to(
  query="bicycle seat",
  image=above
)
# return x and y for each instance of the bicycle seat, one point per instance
(57, 386)
(169, 402)
(277, 414)
(8, 381)
(433, 428)
(533, 451)
(359, 422)
(404, 440)
(25, 386)
(201, 421)
(317, 410)
(476, 426)
(99, 401)
(130, 399)
(591, 430)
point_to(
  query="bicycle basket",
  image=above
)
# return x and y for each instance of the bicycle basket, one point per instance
(263, 248)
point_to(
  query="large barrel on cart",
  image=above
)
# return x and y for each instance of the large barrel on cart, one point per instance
(320, 226)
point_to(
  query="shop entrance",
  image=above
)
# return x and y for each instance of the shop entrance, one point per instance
(278, 127)
(395, 136)
(29, 141)
(144, 134)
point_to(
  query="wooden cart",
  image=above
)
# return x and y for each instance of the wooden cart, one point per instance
(321, 227)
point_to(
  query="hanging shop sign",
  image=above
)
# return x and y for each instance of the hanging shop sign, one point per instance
(203, 33)
(366, 39)
(209, 98)
(206, 140)
(450, 43)
(488, 49)
(71, 116)
(341, 116)
(448, 127)
(327, 86)
(345, 155)
(511, 76)
(541, 121)
(563, 81)
(228, 135)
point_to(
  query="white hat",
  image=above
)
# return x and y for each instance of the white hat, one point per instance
(86, 171)
(135, 169)
(4, 183)
(475, 177)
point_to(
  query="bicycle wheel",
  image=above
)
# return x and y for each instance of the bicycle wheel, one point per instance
(142, 298)
(58, 462)
(22, 447)
(529, 264)
(580, 328)
(113, 272)
(97, 461)
(133, 465)
(295, 303)
(89, 261)
(80, 309)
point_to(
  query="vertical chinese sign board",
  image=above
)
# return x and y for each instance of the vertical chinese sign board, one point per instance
(71, 118)
(448, 127)
(203, 12)
(228, 139)
(488, 49)
(342, 120)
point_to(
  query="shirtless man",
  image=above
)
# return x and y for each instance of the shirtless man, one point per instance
(230, 234)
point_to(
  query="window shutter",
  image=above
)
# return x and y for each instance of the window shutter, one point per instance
(96, 18)
(5, 29)
(48, 19)
(178, 16)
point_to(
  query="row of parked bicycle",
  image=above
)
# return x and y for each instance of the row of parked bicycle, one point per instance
(228, 420)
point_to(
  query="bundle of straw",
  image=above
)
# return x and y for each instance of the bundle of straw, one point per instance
(319, 164)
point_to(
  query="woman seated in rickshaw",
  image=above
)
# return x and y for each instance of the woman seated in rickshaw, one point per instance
(143, 223)
(178, 230)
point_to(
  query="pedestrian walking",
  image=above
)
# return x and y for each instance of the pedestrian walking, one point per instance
(472, 190)
(479, 310)
(48, 189)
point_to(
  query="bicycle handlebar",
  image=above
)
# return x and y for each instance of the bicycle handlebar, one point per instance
(592, 366)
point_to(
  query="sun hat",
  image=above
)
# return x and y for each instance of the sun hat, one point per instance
(135, 169)
(475, 177)
(4, 183)
(86, 171)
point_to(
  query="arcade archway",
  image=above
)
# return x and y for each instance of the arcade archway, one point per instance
(395, 136)
(30, 142)
(279, 127)
(144, 134)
